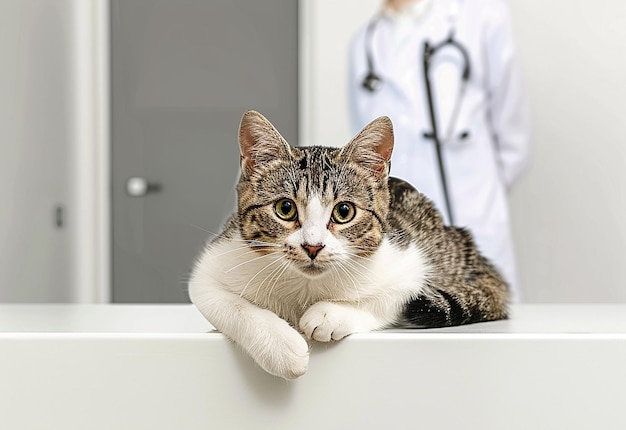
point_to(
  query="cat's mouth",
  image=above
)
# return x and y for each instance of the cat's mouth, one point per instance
(311, 269)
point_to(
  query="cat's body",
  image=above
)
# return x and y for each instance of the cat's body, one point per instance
(324, 242)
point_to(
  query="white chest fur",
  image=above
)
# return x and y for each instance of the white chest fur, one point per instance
(379, 284)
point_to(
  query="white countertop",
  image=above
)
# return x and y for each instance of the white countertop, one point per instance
(157, 367)
(113, 318)
(540, 319)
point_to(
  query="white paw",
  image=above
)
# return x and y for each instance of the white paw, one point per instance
(281, 351)
(326, 321)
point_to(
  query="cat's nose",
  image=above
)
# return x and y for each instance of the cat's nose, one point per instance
(312, 250)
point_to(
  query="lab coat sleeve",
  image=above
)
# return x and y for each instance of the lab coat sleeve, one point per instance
(508, 100)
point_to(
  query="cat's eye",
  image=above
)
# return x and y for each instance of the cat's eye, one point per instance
(343, 212)
(286, 209)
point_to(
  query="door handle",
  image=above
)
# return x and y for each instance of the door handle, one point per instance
(140, 187)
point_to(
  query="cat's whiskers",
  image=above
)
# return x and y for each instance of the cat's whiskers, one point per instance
(285, 266)
(261, 243)
(255, 243)
(353, 264)
(369, 249)
(246, 250)
(352, 279)
(354, 254)
(251, 260)
(351, 254)
(212, 233)
(270, 276)
(242, 248)
(258, 273)
(336, 272)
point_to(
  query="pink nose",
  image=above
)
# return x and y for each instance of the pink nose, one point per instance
(312, 250)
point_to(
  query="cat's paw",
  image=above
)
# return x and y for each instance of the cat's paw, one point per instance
(326, 321)
(281, 351)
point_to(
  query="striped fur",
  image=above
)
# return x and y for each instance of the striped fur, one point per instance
(389, 262)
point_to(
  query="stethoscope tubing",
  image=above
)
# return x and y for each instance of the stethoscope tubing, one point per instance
(372, 82)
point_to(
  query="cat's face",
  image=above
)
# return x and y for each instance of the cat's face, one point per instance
(318, 208)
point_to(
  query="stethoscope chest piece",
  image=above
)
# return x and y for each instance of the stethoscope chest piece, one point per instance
(372, 82)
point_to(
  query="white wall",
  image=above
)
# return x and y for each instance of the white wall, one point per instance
(53, 124)
(569, 211)
(326, 27)
(35, 174)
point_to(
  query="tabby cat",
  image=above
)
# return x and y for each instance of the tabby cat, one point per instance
(326, 244)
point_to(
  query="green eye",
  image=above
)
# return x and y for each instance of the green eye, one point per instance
(343, 212)
(286, 209)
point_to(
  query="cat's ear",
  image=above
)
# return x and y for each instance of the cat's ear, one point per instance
(373, 146)
(259, 142)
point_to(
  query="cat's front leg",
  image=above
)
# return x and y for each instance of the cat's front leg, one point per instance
(326, 321)
(269, 340)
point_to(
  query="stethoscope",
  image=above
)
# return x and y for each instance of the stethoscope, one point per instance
(373, 81)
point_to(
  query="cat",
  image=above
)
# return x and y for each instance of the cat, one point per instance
(325, 244)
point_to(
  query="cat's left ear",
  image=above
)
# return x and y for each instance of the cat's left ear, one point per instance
(259, 142)
(373, 146)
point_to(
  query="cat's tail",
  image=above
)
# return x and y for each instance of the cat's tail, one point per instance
(481, 296)
(466, 289)
(443, 309)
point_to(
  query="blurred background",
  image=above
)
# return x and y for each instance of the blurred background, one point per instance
(118, 124)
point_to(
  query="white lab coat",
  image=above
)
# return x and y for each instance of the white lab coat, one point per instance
(494, 111)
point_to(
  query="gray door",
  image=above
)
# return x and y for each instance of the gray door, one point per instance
(183, 72)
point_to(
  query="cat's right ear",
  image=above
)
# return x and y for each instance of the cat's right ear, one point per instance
(259, 142)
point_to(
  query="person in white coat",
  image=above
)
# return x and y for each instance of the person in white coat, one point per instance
(483, 123)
